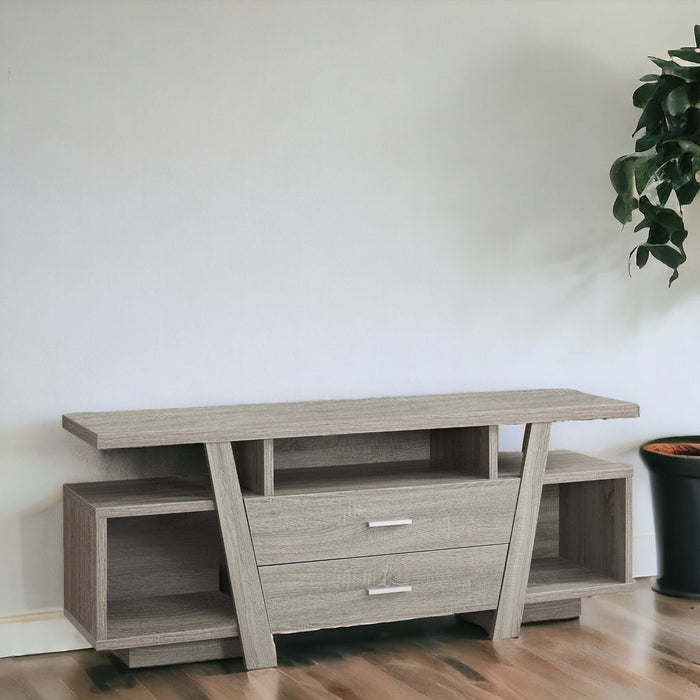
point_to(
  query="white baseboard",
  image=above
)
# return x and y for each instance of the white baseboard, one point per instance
(41, 632)
(644, 555)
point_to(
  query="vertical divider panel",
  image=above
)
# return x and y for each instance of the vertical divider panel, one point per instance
(472, 450)
(255, 465)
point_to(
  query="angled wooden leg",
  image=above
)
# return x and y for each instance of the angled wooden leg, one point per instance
(509, 613)
(253, 625)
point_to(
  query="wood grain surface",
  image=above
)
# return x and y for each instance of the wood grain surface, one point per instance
(565, 466)
(470, 450)
(557, 578)
(360, 448)
(167, 619)
(162, 555)
(335, 525)
(595, 526)
(132, 497)
(509, 612)
(334, 593)
(258, 421)
(254, 629)
(255, 465)
(182, 652)
(84, 567)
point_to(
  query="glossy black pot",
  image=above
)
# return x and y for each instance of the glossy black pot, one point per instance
(675, 492)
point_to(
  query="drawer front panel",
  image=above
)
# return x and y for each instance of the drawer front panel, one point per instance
(365, 590)
(310, 527)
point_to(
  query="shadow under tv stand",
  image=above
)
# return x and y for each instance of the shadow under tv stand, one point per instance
(339, 513)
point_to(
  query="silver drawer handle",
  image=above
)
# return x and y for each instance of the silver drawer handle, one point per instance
(389, 523)
(389, 589)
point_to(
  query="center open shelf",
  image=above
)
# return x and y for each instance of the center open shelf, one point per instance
(354, 477)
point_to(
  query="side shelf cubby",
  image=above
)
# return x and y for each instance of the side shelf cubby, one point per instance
(582, 542)
(143, 568)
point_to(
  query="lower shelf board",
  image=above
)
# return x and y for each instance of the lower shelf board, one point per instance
(170, 619)
(556, 578)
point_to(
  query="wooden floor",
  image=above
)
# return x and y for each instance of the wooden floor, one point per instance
(629, 645)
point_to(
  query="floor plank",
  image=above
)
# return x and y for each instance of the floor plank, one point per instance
(634, 645)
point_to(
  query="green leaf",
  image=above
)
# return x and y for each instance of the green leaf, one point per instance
(677, 177)
(697, 35)
(622, 175)
(646, 207)
(668, 218)
(642, 256)
(658, 235)
(646, 142)
(667, 255)
(643, 94)
(686, 54)
(644, 168)
(694, 93)
(652, 115)
(623, 208)
(672, 68)
(677, 101)
(649, 77)
(685, 146)
(673, 277)
(663, 192)
(678, 238)
(686, 194)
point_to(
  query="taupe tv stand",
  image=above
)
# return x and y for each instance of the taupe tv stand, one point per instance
(337, 513)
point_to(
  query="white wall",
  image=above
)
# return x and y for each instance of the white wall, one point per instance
(208, 203)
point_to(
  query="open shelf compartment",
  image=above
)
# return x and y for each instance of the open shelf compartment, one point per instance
(565, 466)
(582, 542)
(366, 460)
(145, 580)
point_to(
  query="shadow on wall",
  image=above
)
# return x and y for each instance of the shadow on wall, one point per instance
(41, 526)
(545, 129)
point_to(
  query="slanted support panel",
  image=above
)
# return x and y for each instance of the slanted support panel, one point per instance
(509, 613)
(253, 625)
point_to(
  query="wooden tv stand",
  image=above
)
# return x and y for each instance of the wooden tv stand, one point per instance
(338, 513)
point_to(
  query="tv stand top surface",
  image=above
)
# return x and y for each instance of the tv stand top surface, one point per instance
(179, 426)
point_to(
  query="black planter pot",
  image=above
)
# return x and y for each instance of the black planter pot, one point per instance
(675, 491)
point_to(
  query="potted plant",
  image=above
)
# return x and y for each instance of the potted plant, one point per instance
(674, 471)
(659, 179)
(663, 174)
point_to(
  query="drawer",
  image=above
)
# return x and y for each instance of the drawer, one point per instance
(308, 527)
(364, 590)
